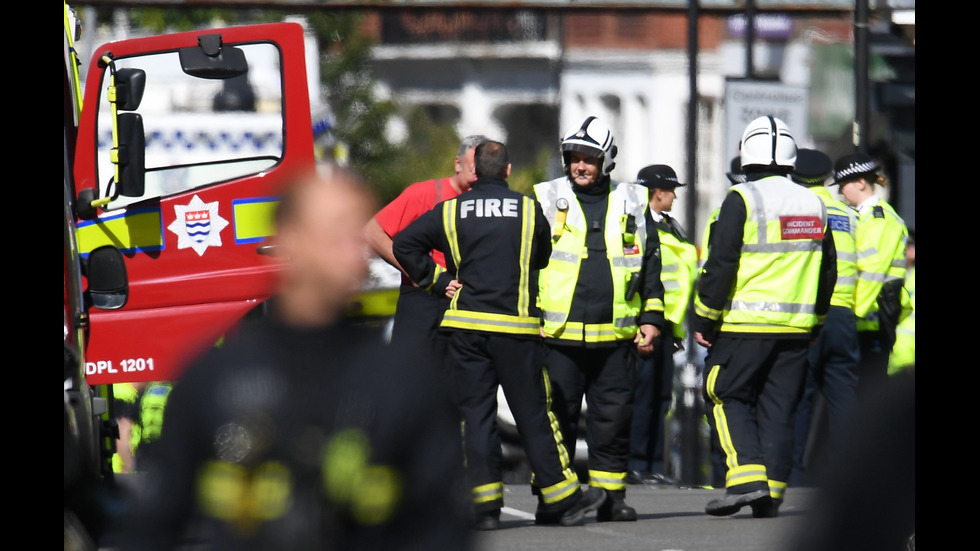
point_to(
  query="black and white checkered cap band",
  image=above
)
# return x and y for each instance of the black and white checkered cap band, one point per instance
(854, 168)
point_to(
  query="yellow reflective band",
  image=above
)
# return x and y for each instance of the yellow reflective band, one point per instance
(488, 492)
(134, 230)
(254, 218)
(745, 474)
(562, 490)
(777, 489)
(607, 480)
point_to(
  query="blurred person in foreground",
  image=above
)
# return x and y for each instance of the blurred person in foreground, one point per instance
(495, 241)
(867, 500)
(302, 431)
(762, 293)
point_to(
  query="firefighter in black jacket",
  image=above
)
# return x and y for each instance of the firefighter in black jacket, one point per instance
(495, 241)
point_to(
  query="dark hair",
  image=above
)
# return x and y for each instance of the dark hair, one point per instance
(491, 159)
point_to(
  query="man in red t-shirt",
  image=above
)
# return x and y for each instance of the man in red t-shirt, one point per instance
(418, 311)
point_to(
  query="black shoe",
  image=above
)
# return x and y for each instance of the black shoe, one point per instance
(733, 503)
(487, 521)
(766, 510)
(660, 479)
(590, 500)
(637, 477)
(615, 509)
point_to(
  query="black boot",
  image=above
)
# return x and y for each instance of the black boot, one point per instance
(487, 521)
(615, 508)
(767, 509)
(570, 511)
(733, 503)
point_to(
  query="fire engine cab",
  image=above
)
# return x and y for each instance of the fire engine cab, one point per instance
(175, 153)
(189, 210)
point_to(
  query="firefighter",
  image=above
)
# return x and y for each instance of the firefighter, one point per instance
(654, 390)
(601, 301)
(881, 264)
(764, 288)
(495, 241)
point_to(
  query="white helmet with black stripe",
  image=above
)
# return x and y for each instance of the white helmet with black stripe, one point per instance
(594, 138)
(768, 143)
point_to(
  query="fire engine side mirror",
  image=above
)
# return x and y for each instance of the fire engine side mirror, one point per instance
(210, 59)
(108, 282)
(130, 84)
(131, 155)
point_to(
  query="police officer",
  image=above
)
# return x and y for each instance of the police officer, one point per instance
(832, 377)
(881, 264)
(764, 288)
(495, 241)
(655, 383)
(153, 403)
(601, 301)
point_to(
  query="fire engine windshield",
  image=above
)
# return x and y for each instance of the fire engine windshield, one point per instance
(200, 131)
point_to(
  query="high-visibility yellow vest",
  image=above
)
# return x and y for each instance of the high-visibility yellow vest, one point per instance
(903, 352)
(679, 264)
(705, 237)
(880, 244)
(843, 221)
(127, 393)
(152, 404)
(779, 269)
(558, 280)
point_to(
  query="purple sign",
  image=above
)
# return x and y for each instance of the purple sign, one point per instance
(775, 26)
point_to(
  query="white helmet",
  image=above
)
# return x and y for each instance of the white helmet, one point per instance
(594, 138)
(767, 142)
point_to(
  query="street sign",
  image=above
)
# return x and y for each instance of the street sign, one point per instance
(746, 100)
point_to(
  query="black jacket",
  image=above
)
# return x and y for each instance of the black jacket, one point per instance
(495, 240)
(294, 438)
(593, 298)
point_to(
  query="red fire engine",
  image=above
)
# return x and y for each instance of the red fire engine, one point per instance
(175, 154)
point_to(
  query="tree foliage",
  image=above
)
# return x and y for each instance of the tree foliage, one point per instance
(360, 119)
